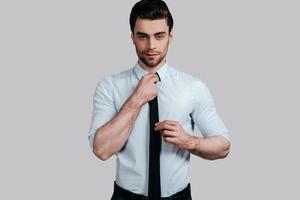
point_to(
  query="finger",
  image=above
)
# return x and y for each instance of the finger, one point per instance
(164, 126)
(170, 140)
(154, 79)
(166, 133)
(171, 123)
(150, 76)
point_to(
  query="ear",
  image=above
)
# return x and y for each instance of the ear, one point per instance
(132, 38)
(171, 35)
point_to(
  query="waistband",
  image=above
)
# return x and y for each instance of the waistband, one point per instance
(183, 194)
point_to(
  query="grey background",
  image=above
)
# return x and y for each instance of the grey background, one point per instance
(52, 53)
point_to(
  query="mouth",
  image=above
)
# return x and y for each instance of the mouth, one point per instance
(151, 55)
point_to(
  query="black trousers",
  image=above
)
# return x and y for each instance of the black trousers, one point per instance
(123, 194)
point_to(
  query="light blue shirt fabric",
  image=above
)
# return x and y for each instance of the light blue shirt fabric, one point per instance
(182, 98)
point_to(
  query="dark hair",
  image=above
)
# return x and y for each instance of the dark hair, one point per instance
(150, 9)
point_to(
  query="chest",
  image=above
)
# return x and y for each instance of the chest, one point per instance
(175, 101)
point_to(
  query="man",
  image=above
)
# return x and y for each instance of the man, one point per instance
(146, 115)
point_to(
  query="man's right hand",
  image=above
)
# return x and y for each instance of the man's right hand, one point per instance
(146, 89)
(116, 131)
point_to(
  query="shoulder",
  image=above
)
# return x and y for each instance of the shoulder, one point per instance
(186, 78)
(111, 79)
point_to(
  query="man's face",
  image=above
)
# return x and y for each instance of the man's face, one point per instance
(151, 39)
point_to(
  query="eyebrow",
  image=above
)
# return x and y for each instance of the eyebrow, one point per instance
(158, 33)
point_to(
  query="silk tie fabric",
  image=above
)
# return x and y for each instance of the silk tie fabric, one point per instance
(154, 190)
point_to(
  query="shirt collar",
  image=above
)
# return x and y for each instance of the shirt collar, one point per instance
(139, 71)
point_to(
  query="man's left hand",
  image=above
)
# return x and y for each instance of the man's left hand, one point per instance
(173, 133)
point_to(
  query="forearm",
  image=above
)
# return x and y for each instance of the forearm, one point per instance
(111, 137)
(211, 148)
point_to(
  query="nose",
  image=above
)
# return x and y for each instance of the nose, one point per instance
(152, 43)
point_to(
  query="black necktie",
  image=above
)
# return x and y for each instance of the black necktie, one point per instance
(154, 192)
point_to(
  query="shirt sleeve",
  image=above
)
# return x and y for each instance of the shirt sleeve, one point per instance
(205, 115)
(103, 107)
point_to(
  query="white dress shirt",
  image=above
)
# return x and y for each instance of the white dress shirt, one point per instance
(182, 98)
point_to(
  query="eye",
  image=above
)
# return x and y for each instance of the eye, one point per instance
(159, 37)
(142, 36)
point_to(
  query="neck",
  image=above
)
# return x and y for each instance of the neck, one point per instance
(151, 69)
